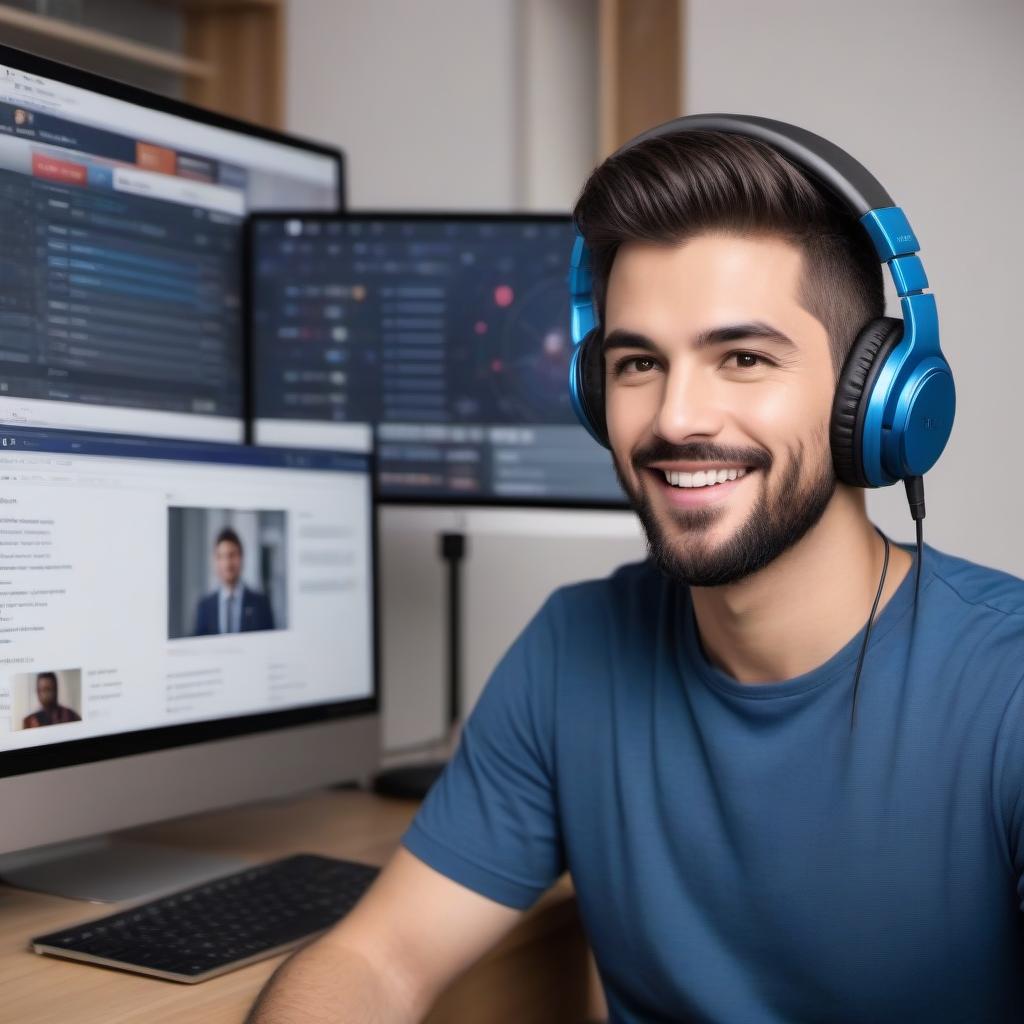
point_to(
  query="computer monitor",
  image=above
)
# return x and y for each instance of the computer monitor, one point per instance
(183, 625)
(120, 251)
(449, 333)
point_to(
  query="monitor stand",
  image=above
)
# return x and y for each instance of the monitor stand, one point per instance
(103, 870)
(412, 781)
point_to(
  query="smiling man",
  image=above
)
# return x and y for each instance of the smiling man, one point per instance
(679, 736)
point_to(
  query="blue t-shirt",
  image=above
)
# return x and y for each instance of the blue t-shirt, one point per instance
(739, 855)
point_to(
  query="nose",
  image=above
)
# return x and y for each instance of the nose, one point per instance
(689, 406)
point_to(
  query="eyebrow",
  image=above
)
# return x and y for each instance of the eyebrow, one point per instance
(713, 336)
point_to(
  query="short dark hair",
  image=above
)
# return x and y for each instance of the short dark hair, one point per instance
(229, 535)
(671, 188)
(47, 675)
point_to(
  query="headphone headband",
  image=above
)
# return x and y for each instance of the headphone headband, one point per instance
(831, 166)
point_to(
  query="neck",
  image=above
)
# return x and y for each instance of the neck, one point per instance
(797, 612)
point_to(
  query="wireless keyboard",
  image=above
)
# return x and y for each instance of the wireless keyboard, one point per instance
(226, 923)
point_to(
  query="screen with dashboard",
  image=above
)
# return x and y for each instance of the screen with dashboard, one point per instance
(447, 334)
(147, 584)
(121, 251)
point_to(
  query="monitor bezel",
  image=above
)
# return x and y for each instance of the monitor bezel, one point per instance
(24, 60)
(68, 753)
(349, 216)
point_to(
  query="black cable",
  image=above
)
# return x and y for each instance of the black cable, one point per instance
(915, 498)
(867, 628)
(920, 556)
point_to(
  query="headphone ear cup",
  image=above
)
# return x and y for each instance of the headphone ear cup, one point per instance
(591, 383)
(866, 357)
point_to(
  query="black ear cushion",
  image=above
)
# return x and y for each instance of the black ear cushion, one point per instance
(592, 382)
(866, 357)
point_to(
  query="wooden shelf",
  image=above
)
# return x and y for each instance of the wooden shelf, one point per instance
(640, 67)
(233, 59)
(105, 43)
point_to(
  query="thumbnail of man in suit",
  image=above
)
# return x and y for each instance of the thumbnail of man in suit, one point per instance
(233, 607)
(50, 713)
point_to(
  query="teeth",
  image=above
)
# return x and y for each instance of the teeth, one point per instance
(703, 477)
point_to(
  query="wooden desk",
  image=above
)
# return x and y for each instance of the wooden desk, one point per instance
(538, 973)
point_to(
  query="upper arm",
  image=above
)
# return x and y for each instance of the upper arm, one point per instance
(420, 928)
(485, 843)
(491, 822)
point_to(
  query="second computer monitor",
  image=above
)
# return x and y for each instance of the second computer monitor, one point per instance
(449, 335)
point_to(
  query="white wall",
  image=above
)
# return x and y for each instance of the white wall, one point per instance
(464, 104)
(422, 96)
(929, 95)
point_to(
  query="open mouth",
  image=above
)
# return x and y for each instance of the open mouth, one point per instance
(701, 478)
(691, 489)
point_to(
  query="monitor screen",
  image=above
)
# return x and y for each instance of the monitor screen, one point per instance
(177, 586)
(449, 334)
(120, 251)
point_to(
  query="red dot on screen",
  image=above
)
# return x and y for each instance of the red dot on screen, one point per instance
(497, 365)
(480, 327)
(503, 295)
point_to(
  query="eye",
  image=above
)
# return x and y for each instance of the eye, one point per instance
(748, 360)
(634, 365)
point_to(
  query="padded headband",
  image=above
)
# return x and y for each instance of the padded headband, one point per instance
(825, 161)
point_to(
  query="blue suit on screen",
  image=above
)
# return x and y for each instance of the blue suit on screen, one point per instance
(256, 613)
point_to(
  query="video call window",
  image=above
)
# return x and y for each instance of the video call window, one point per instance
(227, 581)
(228, 571)
(121, 255)
(448, 334)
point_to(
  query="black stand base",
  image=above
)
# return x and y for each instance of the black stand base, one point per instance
(408, 782)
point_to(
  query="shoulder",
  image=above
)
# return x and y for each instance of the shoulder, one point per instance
(974, 634)
(632, 593)
(580, 623)
(977, 593)
(628, 584)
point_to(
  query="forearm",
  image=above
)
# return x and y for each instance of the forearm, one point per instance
(327, 983)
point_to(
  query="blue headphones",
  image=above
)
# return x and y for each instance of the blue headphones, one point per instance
(894, 403)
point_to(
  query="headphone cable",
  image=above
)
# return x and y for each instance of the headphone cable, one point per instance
(867, 628)
(915, 498)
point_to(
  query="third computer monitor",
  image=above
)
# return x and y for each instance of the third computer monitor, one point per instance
(449, 334)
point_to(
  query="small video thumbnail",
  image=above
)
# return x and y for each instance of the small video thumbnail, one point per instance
(46, 697)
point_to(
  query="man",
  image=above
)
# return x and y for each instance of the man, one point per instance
(234, 608)
(50, 713)
(679, 735)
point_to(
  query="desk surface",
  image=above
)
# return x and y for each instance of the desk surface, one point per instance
(539, 970)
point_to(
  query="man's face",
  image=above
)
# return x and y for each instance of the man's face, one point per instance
(46, 691)
(712, 363)
(227, 558)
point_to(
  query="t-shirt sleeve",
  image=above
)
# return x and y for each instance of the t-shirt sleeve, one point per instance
(490, 822)
(1009, 783)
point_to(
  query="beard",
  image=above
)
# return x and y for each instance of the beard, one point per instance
(677, 538)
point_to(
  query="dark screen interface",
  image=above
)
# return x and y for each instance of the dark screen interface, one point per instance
(450, 336)
(114, 296)
(121, 258)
